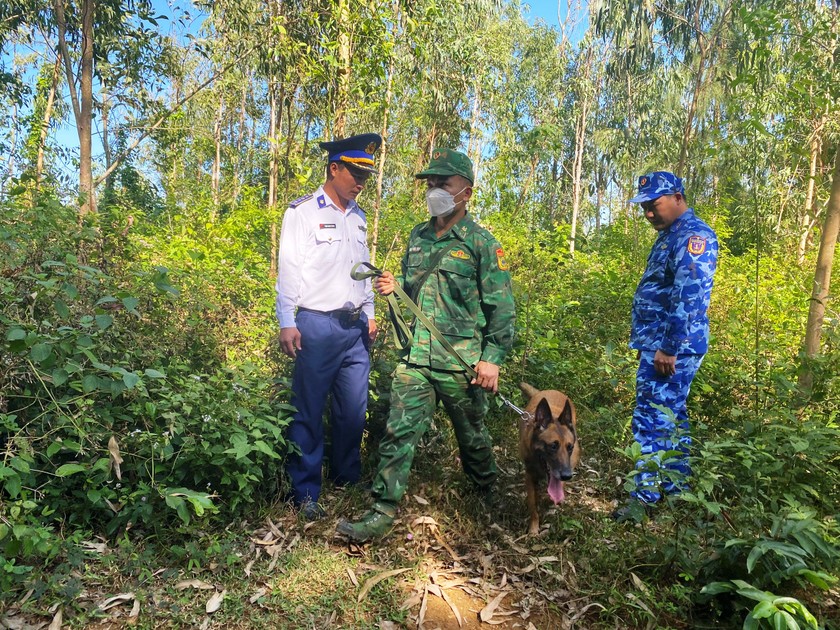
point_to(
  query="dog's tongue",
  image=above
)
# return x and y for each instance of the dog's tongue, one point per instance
(556, 490)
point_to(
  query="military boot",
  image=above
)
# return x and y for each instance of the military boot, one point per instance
(372, 525)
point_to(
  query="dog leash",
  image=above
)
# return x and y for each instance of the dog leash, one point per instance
(402, 333)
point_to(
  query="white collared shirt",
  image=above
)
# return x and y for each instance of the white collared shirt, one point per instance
(319, 245)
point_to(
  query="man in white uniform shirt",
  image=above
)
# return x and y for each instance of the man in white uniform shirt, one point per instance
(326, 320)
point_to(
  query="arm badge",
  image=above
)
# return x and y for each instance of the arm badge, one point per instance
(696, 245)
(500, 259)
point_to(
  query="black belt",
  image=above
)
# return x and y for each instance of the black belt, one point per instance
(341, 314)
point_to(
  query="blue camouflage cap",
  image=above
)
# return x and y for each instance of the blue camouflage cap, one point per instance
(655, 185)
(355, 151)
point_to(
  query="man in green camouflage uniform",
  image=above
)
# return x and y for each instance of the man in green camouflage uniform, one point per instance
(468, 297)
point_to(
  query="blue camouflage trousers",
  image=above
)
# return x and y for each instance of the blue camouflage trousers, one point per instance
(666, 429)
(415, 392)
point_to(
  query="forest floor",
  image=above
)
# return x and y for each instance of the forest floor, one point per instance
(447, 564)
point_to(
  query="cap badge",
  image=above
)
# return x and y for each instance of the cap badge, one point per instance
(435, 155)
(371, 148)
(643, 181)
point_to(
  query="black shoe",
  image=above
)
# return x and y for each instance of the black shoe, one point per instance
(489, 498)
(311, 511)
(633, 510)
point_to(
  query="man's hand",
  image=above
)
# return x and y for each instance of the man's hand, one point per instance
(385, 284)
(487, 376)
(290, 341)
(372, 330)
(665, 364)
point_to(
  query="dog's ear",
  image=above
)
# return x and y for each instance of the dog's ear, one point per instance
(566, 416)
(542, 415)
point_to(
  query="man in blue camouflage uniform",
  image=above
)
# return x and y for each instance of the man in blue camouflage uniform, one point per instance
(327, 321)
(670, 331)
(457, 274)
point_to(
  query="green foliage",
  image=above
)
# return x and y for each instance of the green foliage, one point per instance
(107, 424)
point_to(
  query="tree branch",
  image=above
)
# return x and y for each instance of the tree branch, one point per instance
(124, 153)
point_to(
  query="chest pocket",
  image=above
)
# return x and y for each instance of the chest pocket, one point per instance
(457, 276)
(327, 236)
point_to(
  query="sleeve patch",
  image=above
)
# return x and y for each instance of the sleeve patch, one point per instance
(500, 259)
(696, 245)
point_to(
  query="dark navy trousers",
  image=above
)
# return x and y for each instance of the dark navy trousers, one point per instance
(660, 423)
(333, 359)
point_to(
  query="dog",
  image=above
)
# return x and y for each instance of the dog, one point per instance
(548, 445)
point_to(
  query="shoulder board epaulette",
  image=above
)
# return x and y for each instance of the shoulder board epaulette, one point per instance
(300, 200)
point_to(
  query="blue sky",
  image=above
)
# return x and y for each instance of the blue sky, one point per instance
(544, 10)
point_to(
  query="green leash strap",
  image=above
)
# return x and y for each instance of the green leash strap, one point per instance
(402, 332)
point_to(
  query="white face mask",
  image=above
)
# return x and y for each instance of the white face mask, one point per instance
(441, 202)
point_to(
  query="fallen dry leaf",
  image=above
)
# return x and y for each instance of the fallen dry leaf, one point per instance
(487, 612)
(421, 616)
(352, 576)
(420, 499)
(180, 586)
(637, 582)
(215, 602)
(423, 520)
(376, 580)
(134, 615)
(57, 619)
(94, 546)
(454, 608)
(116, 600)
(257, 594)
(116, 459)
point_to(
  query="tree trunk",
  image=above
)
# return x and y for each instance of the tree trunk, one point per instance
(383, 152)
(344, 56)
(580, 145)
(822, 279)
(86, 114)
(807, 211)
(217, 158)
(45, 124)
(272, 168)
(106, 145)
(83, 102)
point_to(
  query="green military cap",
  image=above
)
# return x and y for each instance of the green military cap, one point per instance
(446, 162)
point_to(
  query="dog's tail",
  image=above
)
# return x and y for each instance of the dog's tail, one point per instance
(528, 390)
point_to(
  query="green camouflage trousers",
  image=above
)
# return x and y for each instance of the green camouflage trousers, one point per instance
(414, 395)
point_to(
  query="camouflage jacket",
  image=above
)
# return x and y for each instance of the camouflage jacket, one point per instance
(468, 297)
(669, 308)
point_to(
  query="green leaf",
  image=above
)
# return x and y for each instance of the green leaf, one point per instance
(53, 448)
(130, 379)
(763, 610)
(130, 304)
(90, 383)
(715, 588)
(59, 377)
(21, 465)
(62, 309)
(154, 373)
(104, 321)
(69, 469)
(16, 334)
(12, 485)
(40, 352)
(755, 554)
